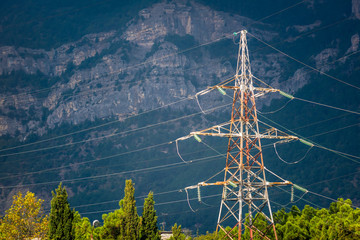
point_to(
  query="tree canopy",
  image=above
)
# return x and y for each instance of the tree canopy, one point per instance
(148, 222)
(25, 219)
(61, 216)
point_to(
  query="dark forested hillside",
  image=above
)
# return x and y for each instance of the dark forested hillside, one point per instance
(95, 92)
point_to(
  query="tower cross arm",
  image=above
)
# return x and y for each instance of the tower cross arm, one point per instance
(234, 184)
(223, 130)
(260, 91)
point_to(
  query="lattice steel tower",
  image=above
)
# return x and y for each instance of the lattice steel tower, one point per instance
(245, 205)
(245, 166)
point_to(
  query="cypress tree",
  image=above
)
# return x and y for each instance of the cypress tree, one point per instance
(61, 216)
(131, 218)
(149, 229)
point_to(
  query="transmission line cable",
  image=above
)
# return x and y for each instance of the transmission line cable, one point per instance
(111, 201)
(96, 160)
(178, 190)
(109, 135)
(344, 155)
(328, 106)
(317, 70)
(259, 20)
(156, 204)
(276, 13)
(338, 129)
(321, 121)
(94, 127)
(108, 123)
(155, 168)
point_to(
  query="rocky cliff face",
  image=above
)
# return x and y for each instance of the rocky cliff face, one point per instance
(113, 74)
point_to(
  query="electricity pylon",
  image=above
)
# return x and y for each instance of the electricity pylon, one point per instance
(244, 160)
(245, 204)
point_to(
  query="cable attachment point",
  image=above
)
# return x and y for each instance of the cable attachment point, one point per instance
(286, 94)
(292, 194)
(231, 183)
(300, 188)
(199, 193)
(306, 142)
(197, 138)
(222, 91)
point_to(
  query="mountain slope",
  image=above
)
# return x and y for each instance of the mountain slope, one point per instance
(85, 90)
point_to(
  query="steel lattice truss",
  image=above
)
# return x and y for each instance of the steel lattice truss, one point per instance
(245, 205)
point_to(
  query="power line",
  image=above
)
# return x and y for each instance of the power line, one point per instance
(146, 148)
(155, 168)
(145, 62)
(156, 204)
(143, 196)
(313, 102)
(91, 128)
(178, 190)
(344, 155)
(192, 48)
(98, 159)
(89, 161)
(216, 174)
(184, 200)
(321, 121)
(306, 65)
(101, 125)
(139, 114)
(328, 106)
(109, 135)
(335, 130)
(276, 13)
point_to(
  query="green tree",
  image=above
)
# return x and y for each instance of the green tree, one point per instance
(82, 227)
(25, 219)
(340, 221)
(114, 225)
(208, 236)
(149, 229)
(123, 223)
(176, 233)
(61, 216)
(131, 216)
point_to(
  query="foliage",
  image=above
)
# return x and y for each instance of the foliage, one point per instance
(231, 232)
(61, 216)
(82, 227)
(149, 229)
(340, 221)
(113, 227)
(208, 236)
(123, 223)
(15, 80)
(176, 233)
(25, 219)
(131, 216)
(260, 223)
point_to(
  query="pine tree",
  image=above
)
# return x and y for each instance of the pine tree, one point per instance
(131, 218)
(61, 216)
(149, 229)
